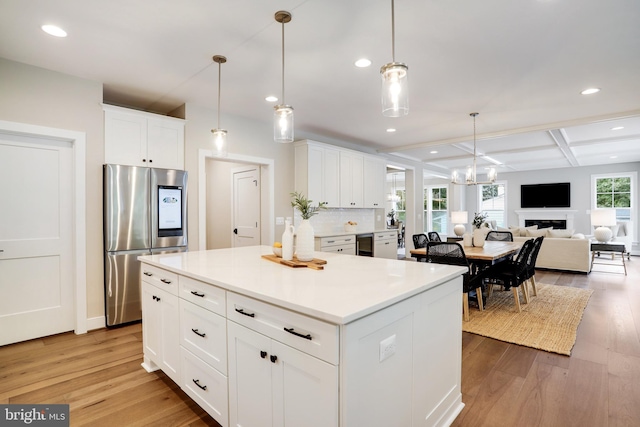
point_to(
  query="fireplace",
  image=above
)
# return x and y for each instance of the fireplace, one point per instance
(557, 224)
(556, 218)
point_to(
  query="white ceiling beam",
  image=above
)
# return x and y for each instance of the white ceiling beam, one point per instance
(560, 137)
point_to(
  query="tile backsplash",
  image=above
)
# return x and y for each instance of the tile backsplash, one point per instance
(333, 220)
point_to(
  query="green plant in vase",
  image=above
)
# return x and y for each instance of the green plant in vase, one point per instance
(304, 233)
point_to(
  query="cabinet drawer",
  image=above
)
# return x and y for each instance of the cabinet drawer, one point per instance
(163, 279)
(338, 240)
(203, 294)
(386, 235)
(349, 249)
(206, 386)
(204, 334)
(312, 336)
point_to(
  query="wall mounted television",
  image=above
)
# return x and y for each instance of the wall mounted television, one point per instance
(555, 195)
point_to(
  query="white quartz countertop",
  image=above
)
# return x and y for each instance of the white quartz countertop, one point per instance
(349, 287)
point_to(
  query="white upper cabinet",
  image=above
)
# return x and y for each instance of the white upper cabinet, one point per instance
(317, 173)
(351, 179)
(374, 177)
(137, 138)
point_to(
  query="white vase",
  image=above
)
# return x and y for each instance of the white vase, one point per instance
(304, 241)
(479, 236)
(287, 241)
(467, 239)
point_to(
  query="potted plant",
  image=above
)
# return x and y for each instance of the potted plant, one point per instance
(304, 234)
(392, 217)
(479, 219)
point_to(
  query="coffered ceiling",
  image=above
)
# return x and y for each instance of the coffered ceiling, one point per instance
(520, 64)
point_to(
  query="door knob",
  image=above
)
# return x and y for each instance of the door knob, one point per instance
(235, 231)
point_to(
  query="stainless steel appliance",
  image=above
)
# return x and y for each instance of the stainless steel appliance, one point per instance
(364, 244)
(145, 212)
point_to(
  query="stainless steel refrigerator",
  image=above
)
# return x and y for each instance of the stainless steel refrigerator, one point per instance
(145, 212)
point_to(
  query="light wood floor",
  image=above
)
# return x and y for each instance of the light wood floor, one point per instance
(99, 374)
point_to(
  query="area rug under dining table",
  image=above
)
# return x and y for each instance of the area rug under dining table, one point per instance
(549, 322)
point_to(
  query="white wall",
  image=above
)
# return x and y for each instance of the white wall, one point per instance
(41, 97)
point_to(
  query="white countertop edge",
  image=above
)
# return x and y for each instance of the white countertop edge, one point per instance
(354, 233)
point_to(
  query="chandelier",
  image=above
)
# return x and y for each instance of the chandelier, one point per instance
(471, 175)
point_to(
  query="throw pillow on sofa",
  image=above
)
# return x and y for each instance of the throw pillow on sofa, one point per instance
(521, 231)
(541, 232)
(561, 233)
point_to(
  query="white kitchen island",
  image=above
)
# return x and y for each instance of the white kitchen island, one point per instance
(364, 342)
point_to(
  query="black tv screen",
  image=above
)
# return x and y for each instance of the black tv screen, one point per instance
(556, 195)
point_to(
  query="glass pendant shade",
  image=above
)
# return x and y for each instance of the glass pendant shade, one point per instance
(283, 123)
(395, 89)
(219, 142)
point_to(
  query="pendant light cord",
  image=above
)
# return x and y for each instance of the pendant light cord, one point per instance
(219, 79)
(283, 103)
(393, 33)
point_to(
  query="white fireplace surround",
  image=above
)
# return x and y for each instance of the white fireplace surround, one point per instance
(546, 214)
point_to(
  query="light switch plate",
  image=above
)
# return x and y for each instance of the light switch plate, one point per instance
(279, 220)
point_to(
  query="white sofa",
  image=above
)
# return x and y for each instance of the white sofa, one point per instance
(562, 253)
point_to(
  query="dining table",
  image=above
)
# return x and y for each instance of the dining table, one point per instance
(492, 252)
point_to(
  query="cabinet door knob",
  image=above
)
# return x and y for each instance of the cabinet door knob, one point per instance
(273, 358)
(144, 160)
(263, 354)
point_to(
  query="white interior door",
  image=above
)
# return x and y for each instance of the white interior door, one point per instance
(36, 220)
(246, 207)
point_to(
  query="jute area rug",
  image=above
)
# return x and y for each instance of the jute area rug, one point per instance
(549, 322)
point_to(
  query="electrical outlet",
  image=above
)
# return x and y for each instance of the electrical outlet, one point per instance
(387, 347)
(279, 220)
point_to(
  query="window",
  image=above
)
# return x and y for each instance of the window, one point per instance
(401, 204)
(492, 201)
(615, 191)
(436, 214)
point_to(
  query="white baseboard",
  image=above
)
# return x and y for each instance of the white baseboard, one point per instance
(96, 323)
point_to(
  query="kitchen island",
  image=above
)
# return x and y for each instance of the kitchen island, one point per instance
(365, 341)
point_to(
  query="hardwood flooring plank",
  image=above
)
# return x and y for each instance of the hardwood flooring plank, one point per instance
(624, 389)
(585, 396)
(476, 369)
(517, 360)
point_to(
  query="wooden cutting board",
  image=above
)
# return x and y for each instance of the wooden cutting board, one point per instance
(316, 263)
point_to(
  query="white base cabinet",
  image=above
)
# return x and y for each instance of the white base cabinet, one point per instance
(345, 245)
(252, 363)
(385, 244)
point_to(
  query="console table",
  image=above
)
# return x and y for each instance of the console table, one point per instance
(612, 248)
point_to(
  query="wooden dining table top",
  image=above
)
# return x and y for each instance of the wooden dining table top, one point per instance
(492, 250)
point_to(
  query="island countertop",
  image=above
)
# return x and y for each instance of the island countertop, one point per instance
(349, 287)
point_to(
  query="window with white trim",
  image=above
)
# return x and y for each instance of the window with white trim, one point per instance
(492, 200)
(615, 191)
(436, 213)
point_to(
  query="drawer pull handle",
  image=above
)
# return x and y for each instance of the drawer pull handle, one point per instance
(146, 273)
(273, 358)
(200, 334)
(197, 294)
(263, 354)
(197, 382)
(331, 241)
(291, 331)
(347, 240)
(168, 282)
(241, 311)
(156, 298)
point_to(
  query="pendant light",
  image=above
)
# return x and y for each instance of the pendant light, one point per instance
(395, 85)
(219, 135)
(283, 113)
(471, 175)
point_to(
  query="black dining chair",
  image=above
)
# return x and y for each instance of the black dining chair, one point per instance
(531, 264)
(501, 236)
(453, 254)
(434, 236)
(512, 274)
(420, 241)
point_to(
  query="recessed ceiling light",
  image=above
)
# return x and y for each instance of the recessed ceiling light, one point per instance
(613, 157)
(390, 130)
(363, 63)
(433, 152)
(271, 98)
(54, 31)
(590, 91)
(617, 128)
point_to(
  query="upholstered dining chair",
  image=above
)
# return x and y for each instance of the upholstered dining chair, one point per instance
(453, 254)
(420, 241)
(512, 274)
(434, 236)
(502, 236)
